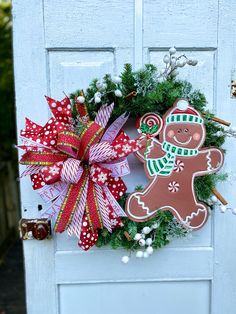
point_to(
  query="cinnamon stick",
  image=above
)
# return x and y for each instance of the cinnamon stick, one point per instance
(218, 120)
(127, 235)
(219, 196)
(130, 95)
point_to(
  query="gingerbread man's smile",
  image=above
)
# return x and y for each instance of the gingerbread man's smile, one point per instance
(181, 142)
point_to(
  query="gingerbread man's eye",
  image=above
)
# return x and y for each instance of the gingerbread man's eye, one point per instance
(179, 130)
(185, 130)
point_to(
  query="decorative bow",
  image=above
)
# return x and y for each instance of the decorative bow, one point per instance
(77, 166)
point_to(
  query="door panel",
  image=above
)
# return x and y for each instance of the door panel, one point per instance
(135, 293)
(70, 69)
(173, 264)
(68, 44)
(202, 77)
(74, 24)
(183, 23)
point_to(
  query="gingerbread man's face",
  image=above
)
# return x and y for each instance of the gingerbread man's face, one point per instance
(185, 135)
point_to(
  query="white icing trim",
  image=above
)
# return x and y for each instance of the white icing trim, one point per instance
(149, 148)
(194, 214)
(208, 157)
(142, 203)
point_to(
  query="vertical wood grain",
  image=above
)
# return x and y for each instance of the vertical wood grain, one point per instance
(30, 88)
(138, 34)
(224, 277)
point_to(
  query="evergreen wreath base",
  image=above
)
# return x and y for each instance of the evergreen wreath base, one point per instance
(151, 95)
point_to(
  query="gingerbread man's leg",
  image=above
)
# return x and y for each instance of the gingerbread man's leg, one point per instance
(191, 215)
(143, 205)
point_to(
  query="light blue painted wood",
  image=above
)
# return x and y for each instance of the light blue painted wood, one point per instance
(30, 86)
(224, 235)
(59, 46)
(152, 297)
(170, 264)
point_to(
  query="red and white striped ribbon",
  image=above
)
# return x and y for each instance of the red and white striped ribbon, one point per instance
(76, 224)
(54, 209)
(31, 169)
(103, 207)
(49, 192)
(100, 152)
(104, 114)
(71, 171)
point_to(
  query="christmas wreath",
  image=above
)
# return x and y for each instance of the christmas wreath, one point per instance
(78, 158)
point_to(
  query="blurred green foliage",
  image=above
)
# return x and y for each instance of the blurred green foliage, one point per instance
(7, 114)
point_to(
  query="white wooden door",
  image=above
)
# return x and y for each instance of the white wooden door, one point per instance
(60, 46)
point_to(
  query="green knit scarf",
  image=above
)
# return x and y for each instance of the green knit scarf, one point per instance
(164, 165)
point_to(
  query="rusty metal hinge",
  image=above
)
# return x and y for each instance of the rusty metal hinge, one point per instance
(233, 88)
(38, 229)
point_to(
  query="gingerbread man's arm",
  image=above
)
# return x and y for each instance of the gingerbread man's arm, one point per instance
(209, 160)
(151, 149)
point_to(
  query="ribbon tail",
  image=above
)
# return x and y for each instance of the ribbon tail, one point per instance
(92, 209)
(119, 167)
(76, 224)
(52, 191)
(54, 209)
(104, 114)
(115, 205)
(114, 218)
(87, 237)
(31, 169)
(31, 143)
(70, 204)
(104, 210)
(114, 128)
(41, 158)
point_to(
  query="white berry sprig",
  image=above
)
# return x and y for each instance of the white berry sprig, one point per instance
(173, 62)
(102, 90)
(145, 240)
(222, 207)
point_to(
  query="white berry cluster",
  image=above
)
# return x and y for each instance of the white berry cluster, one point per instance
(173, 62)
(102, 89)
(145, 240)
(230, 132)
(223, 208)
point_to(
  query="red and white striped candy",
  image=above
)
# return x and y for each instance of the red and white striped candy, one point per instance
(173, 187)
(179, 166)
(150, 119)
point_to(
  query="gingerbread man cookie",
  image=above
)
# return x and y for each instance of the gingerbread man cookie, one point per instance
(171, 163)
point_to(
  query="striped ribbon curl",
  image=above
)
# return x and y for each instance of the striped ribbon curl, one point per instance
(100, 152)
(104, 210)
(75, 226)
(71, 171)
(104, 114)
